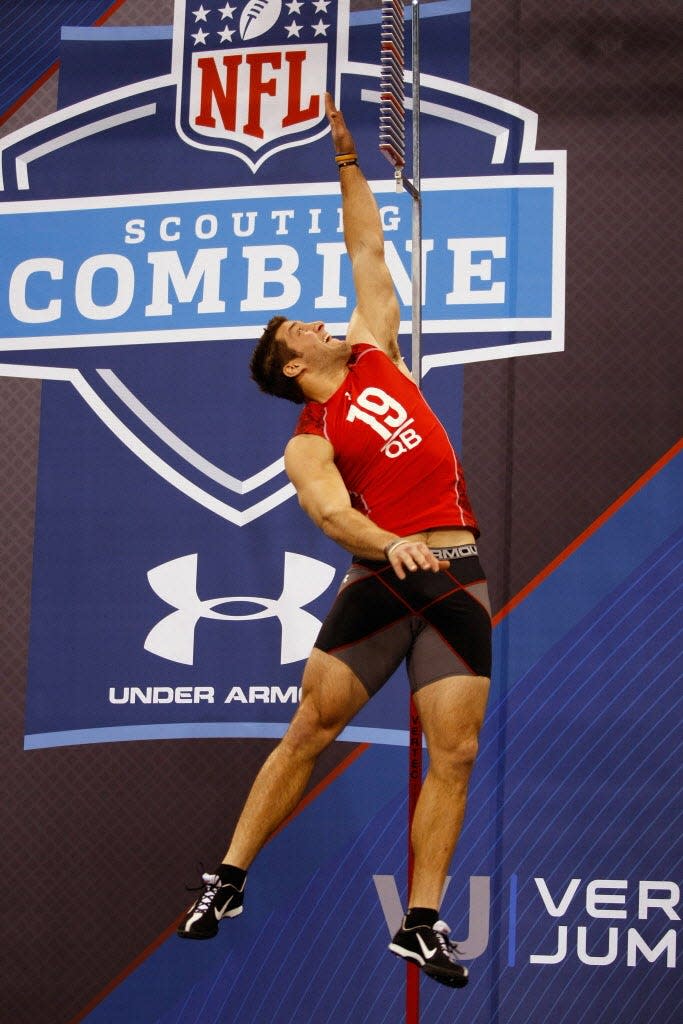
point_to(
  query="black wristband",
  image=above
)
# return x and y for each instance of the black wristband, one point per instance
(349, 159)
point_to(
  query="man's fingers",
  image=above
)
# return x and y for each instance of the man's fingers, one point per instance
(414, 557)
(341, 136)
(334, 116)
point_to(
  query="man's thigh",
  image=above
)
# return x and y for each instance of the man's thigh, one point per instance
(330, 691)
(452, 710)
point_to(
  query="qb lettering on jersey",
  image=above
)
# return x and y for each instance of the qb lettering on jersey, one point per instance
(386, 417)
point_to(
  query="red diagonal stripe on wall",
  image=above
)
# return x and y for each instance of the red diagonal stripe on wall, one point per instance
(170, 930)
(588, 532)
(53, 68)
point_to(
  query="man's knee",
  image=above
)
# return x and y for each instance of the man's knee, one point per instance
(315, 725)
(456, 758)
(306, 728)
(331, 696)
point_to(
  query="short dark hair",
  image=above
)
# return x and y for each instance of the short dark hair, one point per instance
(267, 360)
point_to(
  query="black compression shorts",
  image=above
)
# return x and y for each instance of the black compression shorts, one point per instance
(439, 622)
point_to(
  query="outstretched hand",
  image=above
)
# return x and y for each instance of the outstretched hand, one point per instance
(341, 136)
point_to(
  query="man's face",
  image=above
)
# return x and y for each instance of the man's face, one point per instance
(314, 346)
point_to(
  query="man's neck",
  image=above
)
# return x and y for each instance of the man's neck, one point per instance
(319, 387)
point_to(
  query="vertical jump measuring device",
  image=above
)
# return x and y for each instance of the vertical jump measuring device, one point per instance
(392, 144)
(392, 139)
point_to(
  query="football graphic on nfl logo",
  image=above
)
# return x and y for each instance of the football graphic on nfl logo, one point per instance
(258, 16)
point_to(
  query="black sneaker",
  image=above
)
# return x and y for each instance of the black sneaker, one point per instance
(433, 951)
(217, 901)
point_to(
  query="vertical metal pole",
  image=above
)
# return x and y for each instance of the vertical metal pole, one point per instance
(415, 747)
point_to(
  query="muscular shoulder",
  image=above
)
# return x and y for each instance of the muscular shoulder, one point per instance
(306, 454)
(311, 420)
(361, 350)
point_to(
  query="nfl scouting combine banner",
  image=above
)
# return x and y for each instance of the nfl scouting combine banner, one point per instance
(183, 194)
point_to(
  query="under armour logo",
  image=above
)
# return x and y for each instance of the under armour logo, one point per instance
(175, 582)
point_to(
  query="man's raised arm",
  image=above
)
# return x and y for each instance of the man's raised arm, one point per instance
(377, 315)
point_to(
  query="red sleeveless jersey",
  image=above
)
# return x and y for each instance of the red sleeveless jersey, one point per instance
(392, 452)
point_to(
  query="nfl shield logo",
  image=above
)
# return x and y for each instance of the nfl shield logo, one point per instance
(252, 73)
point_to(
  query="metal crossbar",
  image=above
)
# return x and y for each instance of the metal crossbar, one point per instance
(392, 137)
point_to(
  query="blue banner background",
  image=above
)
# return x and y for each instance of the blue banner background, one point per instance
(188, 410)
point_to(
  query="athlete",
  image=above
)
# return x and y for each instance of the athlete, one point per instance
(374, 469)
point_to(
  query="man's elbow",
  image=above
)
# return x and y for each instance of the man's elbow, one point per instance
(331, 522)
(322, 517)
(367, 248)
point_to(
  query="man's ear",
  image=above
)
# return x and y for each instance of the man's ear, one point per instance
(293, 368)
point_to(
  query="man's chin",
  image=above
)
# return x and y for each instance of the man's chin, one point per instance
(337, 345)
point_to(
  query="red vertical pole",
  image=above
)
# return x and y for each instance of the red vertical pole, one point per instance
(414, 786)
